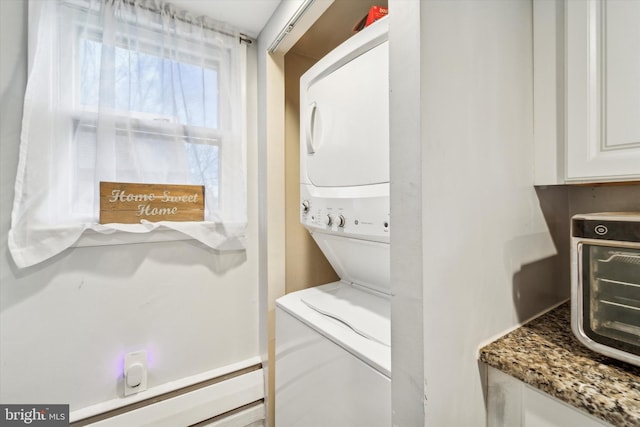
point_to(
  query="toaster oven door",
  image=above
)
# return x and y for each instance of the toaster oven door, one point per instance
(611, 296)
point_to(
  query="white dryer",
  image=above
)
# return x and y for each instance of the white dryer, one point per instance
(333, 342)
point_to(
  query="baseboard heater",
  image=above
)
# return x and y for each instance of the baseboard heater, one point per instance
(234, 399)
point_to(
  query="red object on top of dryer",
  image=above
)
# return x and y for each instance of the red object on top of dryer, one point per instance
(375, 13)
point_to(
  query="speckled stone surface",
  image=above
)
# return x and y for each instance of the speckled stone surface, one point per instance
(545, 354)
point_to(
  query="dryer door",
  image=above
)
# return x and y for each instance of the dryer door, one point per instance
(345, 120)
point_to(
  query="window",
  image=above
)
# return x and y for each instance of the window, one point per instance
(148, 113)
(128, 93)
(141, 79)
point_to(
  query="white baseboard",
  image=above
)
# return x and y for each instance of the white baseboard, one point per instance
(170, 405)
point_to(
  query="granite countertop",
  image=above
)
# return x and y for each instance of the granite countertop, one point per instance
(545, 354)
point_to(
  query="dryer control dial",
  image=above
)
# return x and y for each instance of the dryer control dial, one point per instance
(340, 221)
(306, 206)
(328, 220)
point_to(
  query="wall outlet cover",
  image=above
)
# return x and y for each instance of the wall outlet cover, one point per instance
(135, 372)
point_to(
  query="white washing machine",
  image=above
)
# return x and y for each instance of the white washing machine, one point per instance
(333, 342)
(333, 364)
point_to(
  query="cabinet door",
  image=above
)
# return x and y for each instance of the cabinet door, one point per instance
(512, 403)
(603, 90)
(540, 410)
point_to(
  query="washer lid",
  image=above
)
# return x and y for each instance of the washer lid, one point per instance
(362, 262)
(364, 312)
(358, 306)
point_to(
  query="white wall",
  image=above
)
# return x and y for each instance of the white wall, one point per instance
(482, 223)
(66, 324)
(462, 181)
(407, 352)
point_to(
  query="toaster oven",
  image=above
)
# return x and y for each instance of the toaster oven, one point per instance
(605, 295)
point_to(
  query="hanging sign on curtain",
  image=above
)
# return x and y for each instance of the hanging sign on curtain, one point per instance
(129, 203)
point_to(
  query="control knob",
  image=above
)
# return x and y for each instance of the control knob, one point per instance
(340, 221)
(306, 206)
(328, 220)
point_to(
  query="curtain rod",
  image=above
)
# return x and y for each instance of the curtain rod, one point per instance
(243, 38)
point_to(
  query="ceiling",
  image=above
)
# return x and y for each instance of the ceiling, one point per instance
(248, 16)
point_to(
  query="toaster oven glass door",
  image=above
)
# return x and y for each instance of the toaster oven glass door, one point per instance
(611, 296)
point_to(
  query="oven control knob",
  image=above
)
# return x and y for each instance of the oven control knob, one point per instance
(306, 206)
(340, 221)
(328, 220)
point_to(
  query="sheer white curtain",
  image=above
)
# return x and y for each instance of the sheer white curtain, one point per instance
(127, 91)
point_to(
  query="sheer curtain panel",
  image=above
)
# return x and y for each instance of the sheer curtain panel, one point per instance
(127, 91)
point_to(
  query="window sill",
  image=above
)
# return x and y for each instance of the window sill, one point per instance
(227, 237)
(92, 238)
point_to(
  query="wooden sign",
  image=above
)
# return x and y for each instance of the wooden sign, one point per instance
(129, 203)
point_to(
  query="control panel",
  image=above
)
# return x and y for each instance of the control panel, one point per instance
(364, 216)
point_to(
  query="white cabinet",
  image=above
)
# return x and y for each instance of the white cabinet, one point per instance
(512, 403)
(587, 90)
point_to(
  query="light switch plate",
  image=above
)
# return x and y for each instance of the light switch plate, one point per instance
(135, 372)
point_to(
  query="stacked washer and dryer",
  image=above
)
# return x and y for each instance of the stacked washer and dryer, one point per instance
(333, 342)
